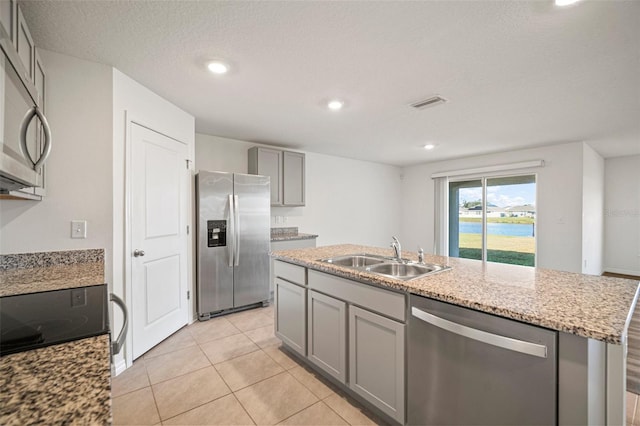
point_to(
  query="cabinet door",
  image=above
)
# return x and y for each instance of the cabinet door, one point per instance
(291, 313)
(327, 331)
(376, 361)
(25, 46)
(293, 178)
(8, 18)
(269, 163)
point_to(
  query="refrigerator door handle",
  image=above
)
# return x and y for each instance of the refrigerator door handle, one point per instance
(236, 230)
(231, 232)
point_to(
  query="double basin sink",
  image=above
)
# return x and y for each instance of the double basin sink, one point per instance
(386, 266)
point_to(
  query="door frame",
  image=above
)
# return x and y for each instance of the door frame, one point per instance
(131, 119)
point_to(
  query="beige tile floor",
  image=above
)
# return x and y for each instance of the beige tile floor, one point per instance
(633, 409)
(229, 370)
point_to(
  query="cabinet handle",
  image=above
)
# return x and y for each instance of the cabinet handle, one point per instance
(46, 150)
(481, 336)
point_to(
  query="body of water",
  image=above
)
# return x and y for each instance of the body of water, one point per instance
(512, 229)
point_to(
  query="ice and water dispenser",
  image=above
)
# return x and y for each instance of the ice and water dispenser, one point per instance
(216, 233)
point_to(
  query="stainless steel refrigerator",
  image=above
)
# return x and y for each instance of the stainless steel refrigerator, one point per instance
(233, 241)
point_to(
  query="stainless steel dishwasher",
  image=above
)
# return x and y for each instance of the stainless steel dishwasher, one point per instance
(470, 368)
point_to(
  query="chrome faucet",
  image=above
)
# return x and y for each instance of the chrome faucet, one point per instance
(420, 255)
(397, 250)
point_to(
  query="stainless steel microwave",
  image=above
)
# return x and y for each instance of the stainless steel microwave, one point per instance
(25, 136)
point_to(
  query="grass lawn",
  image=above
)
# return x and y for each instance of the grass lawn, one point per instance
(501, 248)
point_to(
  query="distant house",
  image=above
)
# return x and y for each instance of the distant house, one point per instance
(476, 211)
(527, 210)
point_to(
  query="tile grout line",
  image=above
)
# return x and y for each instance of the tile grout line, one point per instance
(255, 422)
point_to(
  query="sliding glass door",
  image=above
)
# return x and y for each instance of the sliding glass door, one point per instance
(466, 219)
(493, 218)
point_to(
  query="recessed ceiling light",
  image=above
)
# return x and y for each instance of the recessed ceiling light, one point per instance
(218, 67)
(335, 104)
(429, 146)
(565, 2)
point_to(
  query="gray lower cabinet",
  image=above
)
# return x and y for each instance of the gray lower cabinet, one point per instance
(287, 245)
(291, 313)
(327, 334)
(377, 362)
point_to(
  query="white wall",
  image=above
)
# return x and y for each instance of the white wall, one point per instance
(347, 201)
(559, 201)
(622, 215)
(592, 211)
(78, 172)
(134, 102)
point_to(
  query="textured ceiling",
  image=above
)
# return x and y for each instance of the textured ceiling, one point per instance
(516, 73)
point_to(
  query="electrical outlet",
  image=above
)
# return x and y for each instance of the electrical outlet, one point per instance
(78, 229)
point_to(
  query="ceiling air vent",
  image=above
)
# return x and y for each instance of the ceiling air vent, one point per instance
(426, 103)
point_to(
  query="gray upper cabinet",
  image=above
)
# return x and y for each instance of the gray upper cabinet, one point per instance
(8, 18)
(268, 162)
(376, 361)
(286, 170)
(327, 323)
(24, 45)
(293, 178)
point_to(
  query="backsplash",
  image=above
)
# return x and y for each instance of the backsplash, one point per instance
(50, 258)
(284, 231)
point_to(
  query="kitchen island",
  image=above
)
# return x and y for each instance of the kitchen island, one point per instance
(590, 313)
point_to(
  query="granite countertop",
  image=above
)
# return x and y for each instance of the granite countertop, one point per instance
(291, 237)
(32, 280)
(62, 384)
(67, 383)
(585, 305)
(289, 233)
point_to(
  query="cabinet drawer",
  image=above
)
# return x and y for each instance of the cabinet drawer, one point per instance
(293, 273)
(373, 298)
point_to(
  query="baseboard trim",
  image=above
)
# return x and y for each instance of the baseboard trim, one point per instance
(623, 271)
(120, 366)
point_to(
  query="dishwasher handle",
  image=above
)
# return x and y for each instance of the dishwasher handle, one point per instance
(117, 345)
(481, 336)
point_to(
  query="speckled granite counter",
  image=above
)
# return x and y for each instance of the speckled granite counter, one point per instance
(289, 234)
(33, 272)
(62, 384)
(69, 383)
(585, 305)
(291, 237)
(21, 281)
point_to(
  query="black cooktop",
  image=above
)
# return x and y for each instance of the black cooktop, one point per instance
(36, 320)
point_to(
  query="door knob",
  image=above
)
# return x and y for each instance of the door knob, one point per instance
(138, 253)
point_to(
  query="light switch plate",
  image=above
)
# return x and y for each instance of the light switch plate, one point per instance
(78, 229)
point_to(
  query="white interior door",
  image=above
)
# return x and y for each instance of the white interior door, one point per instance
(159, 219)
